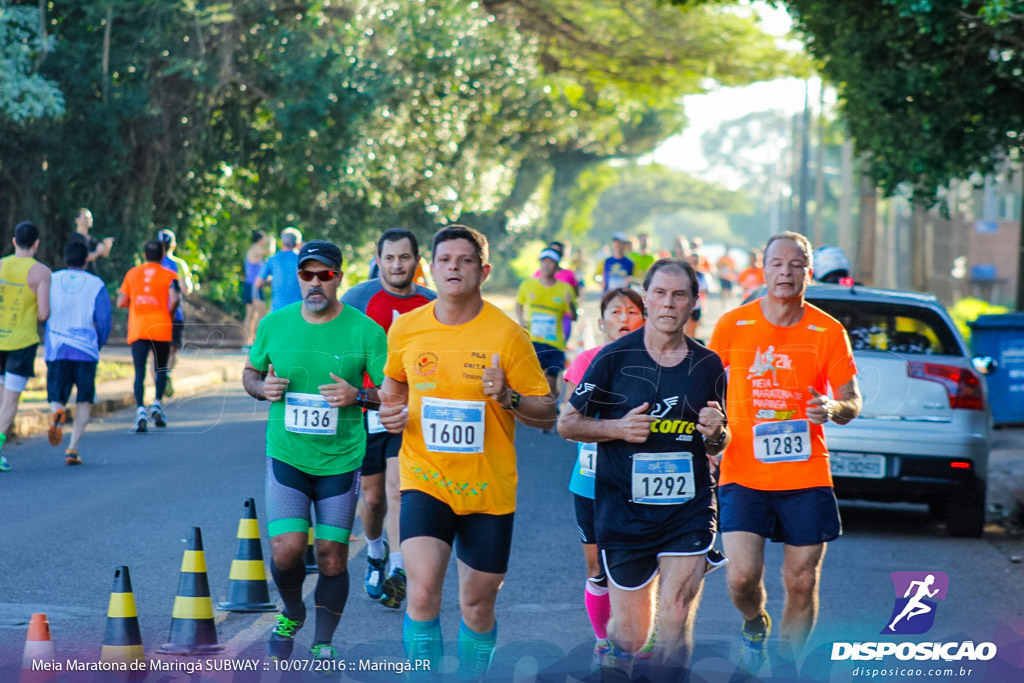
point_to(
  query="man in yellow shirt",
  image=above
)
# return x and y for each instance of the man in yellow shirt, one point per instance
(25, 298)
(541, 304)
(459, 372)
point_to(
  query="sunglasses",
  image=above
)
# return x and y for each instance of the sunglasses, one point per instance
(322, 275)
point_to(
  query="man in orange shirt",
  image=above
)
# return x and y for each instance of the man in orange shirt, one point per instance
(751, 277)
(149, 294)
(782, 355)
(458, 375)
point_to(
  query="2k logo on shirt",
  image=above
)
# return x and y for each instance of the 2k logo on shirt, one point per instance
(916, 592)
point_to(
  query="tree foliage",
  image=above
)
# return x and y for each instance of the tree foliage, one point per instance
(214, 118)
(25, 95)
(932, 90)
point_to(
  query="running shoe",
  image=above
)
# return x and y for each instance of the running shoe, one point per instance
(71, 457)
(282, 637)
(4, 467)
(394, 589)
(325, 653)
(141, 425)
(156, 414)
(601, 649)
(55, 434)
(617, 667)
(647, 651)
(753, 647)
(376, 570)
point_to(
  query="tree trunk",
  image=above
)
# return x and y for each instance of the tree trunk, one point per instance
(919, 249)
(868, 219)
(106, 52)
(819, 176)
(846, 200)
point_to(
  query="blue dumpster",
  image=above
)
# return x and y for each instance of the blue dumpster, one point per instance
(1002, 338)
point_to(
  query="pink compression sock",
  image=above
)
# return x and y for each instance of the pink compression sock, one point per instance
(599, 608)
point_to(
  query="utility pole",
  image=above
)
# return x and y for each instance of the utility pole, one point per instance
(805, 157)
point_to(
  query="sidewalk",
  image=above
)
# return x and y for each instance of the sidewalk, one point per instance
(197, 370)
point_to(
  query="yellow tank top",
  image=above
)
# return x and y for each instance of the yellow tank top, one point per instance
(19, 309)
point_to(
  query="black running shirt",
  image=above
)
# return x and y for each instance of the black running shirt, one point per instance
(653, 492)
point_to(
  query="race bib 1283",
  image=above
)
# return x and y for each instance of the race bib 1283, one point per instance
(785, 441)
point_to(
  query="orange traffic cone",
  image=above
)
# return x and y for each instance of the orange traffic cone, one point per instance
(310, 560)
(193, 631)
(38, 651)
(123, 640)
(247, 588)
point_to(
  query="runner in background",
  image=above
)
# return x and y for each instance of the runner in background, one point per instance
(728, 274)
(642, 258)
(702, 295)
(78, 327)
(568, 276)
(25, 294)
(383, 299)
(622, 311)
(280, 272)
(149, 294)
(617, 271)
(186, 285)
(541, 304)
(751, 278)
(256, 256)
(680, 248)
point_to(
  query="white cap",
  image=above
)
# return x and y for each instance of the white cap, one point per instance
(621, 237)
(551, 254)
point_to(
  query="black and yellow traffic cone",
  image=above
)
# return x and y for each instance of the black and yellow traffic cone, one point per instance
(193, 631)
(247, 588)
(123, 639)
(310, 559)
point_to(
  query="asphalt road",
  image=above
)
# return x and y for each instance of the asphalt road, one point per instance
(133, 502)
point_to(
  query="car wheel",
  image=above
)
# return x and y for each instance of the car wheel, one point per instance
(965, 512)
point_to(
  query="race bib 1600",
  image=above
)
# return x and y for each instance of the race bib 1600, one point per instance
(453, 426)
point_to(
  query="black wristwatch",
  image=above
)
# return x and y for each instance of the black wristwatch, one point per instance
(718, 442)
(514, 399)
(362, 396)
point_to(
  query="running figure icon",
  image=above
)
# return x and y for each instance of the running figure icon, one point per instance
(915, 606)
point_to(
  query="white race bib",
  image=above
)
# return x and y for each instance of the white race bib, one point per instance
(373, 425)
(453, 426)
(785, 441)
(544, 326)
(663, 478)
(588, 459)
(309, 414)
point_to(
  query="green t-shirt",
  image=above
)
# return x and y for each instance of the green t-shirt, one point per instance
(303, 431)
(641, 263)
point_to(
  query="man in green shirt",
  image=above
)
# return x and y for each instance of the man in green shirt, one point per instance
(308, 360)
(642, 258)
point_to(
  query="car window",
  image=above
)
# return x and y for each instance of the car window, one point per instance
(902, 328)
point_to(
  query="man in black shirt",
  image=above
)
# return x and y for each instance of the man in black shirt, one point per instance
(652, 401)
(97, 249)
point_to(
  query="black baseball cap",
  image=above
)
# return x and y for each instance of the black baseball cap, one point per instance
(322, 251)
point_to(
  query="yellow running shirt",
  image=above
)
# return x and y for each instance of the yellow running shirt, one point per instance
(543, 310)
(459, 444)
(19, 308)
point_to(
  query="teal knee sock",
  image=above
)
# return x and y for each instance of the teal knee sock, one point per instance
(475, 652)
(423, 642)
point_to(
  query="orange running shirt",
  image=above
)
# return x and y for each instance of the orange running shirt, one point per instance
(750, 279)
(459, 445)
(774, 447)
(148, 288)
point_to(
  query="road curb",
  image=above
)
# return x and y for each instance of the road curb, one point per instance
(36, 420)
